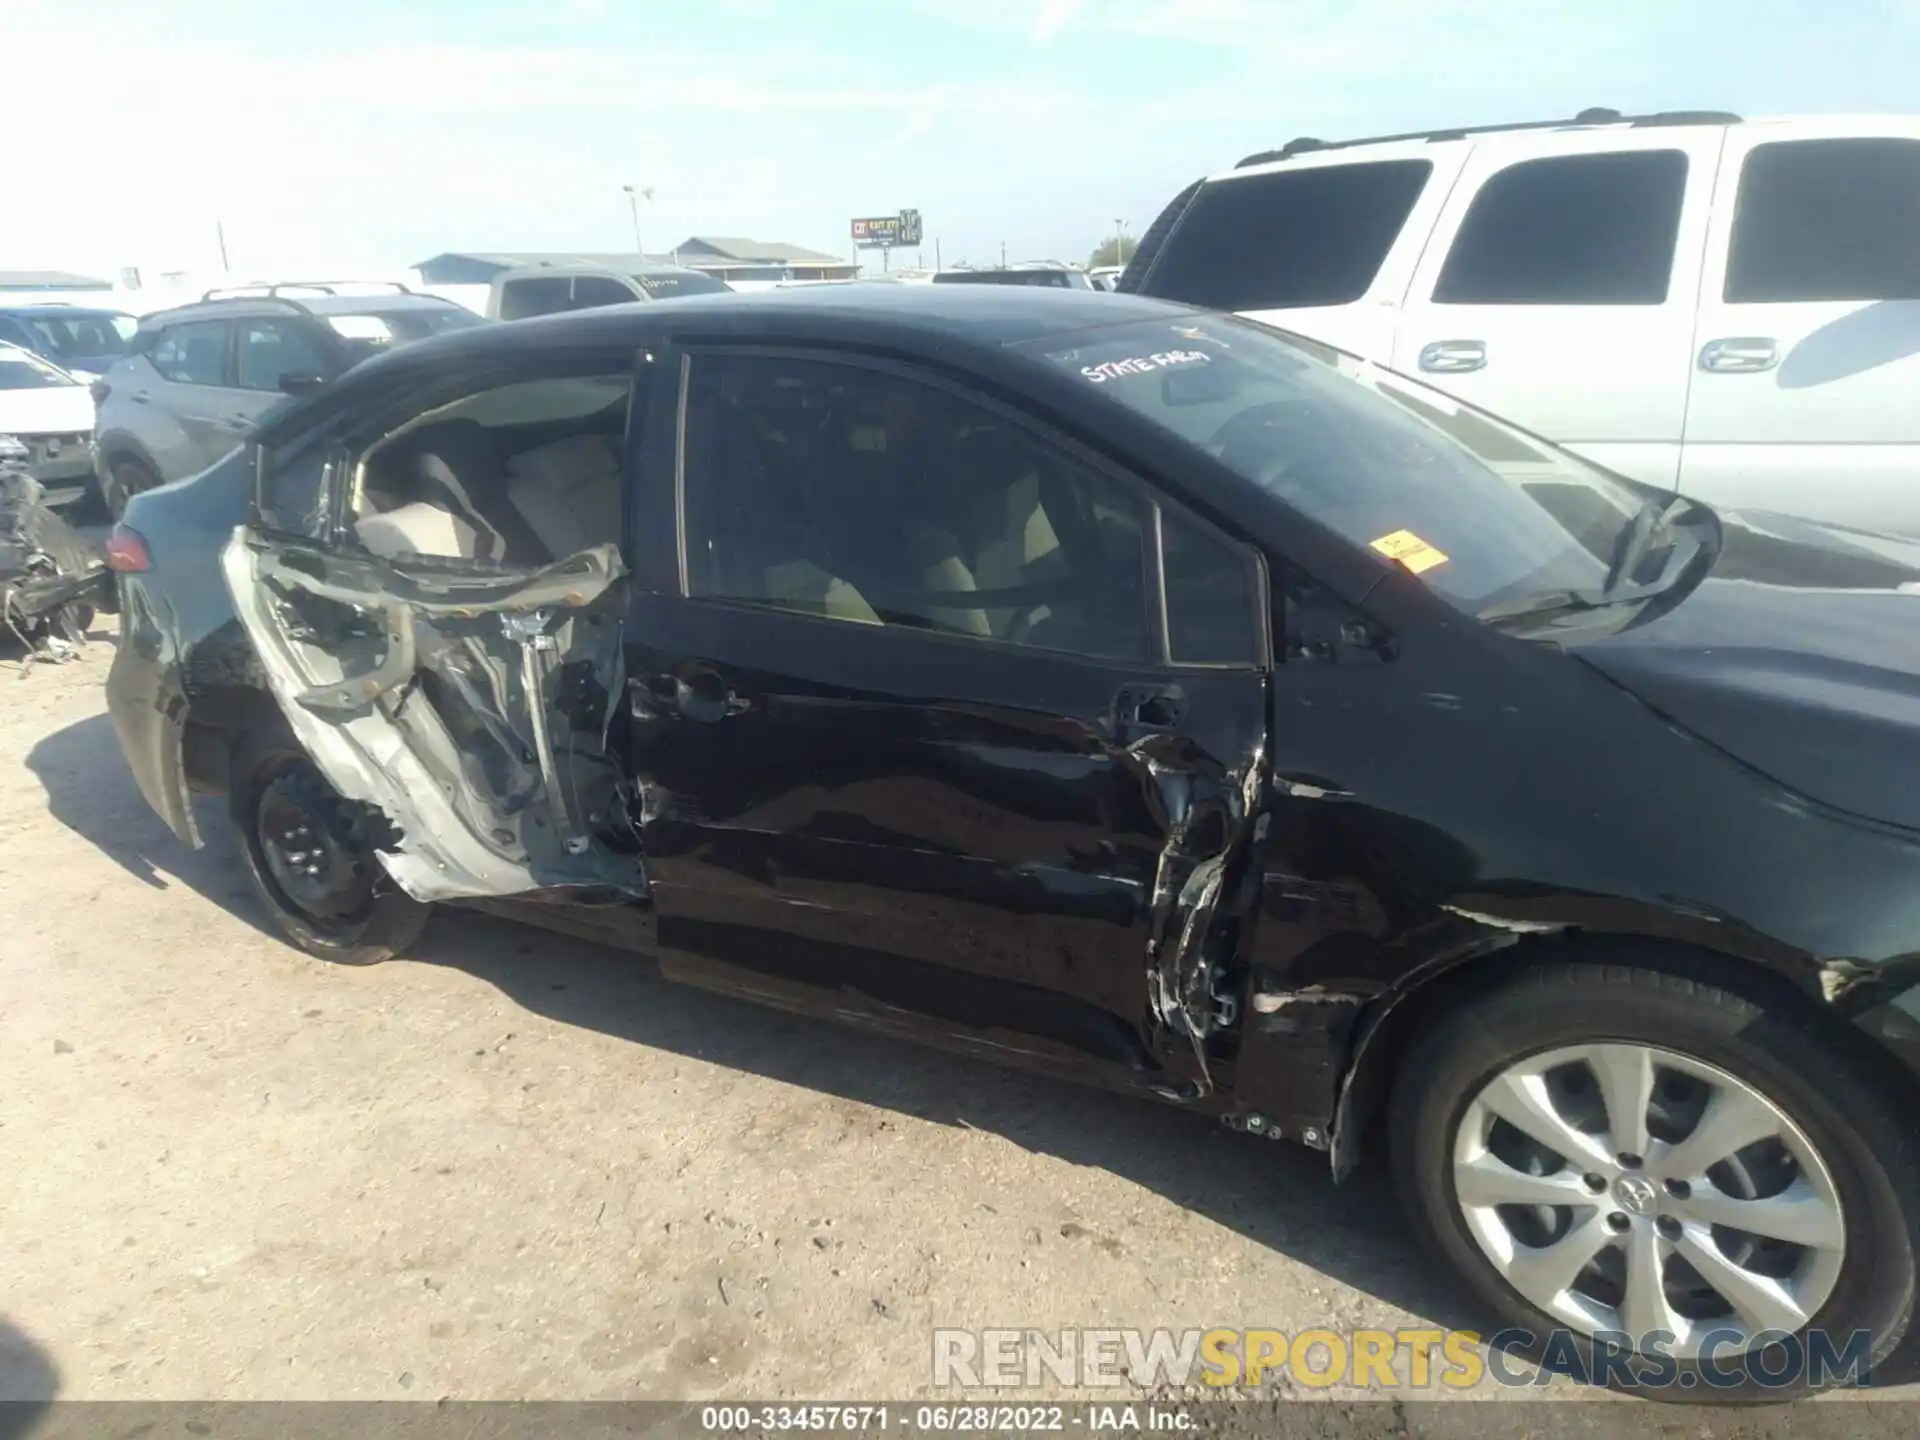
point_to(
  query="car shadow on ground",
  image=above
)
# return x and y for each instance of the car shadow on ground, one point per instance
(1279, 1195)
(29, 1380)
(90, 791)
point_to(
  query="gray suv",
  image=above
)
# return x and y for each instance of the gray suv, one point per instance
(196, 378)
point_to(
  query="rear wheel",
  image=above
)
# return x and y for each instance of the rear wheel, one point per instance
(1633, 1159)
(310, 857)
(125, 479)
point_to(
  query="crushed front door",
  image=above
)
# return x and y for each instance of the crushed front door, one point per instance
(472, 709)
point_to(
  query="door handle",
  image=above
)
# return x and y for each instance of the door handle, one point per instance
(1148, 708)
(237, 424)
(1743, 355)
(139, 397)
(1453, 357)
(701, 694)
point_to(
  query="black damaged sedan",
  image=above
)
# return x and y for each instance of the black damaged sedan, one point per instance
(1137, 694)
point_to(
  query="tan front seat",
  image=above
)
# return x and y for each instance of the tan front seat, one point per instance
(569, 493)
(417, 529)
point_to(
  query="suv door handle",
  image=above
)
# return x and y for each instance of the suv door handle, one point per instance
(1744, 355)
(1453, 357)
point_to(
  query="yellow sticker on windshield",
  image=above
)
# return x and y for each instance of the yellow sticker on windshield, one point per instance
(1410, 550)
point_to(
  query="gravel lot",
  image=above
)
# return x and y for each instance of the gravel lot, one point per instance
(521, 1166)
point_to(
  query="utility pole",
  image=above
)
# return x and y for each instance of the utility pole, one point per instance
(634, 195)
(220, 233)
(1119, 242)
(936, 252)
(1003, 254)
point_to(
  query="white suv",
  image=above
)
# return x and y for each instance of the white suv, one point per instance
(1726, 307)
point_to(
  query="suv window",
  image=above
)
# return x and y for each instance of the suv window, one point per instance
(272, 349)
(857, 494)
(1292, 238)
(1827, 220)
(194, 353)
(1570, 230)
(552, 294)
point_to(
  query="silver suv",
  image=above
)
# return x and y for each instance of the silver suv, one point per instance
(195, 379)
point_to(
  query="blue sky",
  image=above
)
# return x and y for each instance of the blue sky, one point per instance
(376, 132)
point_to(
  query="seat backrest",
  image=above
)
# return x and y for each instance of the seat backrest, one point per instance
(569, 493)
(455, 468)
(417, 529)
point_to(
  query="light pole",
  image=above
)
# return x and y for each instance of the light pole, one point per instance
(634, 195)
(1119, 242)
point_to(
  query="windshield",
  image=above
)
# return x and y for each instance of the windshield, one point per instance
(376, 331)
(85, 335)
(1483, 513)
(21, 371)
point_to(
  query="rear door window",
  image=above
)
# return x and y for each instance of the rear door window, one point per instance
(1289, 239)
(1827, 220)
(1570, 230)
(861, 495)
(192, 354)
(554, 294)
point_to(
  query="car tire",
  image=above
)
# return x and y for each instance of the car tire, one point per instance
(1503, 1049)
(330, 897)
(125, 479)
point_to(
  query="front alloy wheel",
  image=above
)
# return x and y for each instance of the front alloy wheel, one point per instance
(1621, 1148)
(1628, 1188)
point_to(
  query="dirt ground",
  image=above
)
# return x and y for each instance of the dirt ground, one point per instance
(520, 1166)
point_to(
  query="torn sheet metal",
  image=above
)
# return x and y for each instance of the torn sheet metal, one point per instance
(473, 711)
(50, 581)
(1210, 812)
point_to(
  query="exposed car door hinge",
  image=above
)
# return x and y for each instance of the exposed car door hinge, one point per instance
(528, 630)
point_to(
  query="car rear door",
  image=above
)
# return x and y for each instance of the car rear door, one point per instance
(914, 722)
(469, 700)
(1559, 289)
(1807, 356)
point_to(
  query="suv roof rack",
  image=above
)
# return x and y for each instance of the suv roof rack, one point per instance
(1593, 115)
(272, 292)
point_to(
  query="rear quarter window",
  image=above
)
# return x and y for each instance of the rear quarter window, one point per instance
(1288, 239)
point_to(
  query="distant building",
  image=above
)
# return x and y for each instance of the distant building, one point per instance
(50, 280)
(727, 257)
(733, 258)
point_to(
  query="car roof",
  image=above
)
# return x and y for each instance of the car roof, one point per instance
(57, 309)
(1518, 136)
(934, 320)
(261, 305)
(589, 267)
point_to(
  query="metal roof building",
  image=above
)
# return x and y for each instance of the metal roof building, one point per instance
(50, 280)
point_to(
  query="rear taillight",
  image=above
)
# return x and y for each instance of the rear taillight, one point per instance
(99, 390)
(127, 550)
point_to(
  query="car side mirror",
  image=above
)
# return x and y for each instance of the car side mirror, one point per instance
(1206, 384)
(301, 384)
